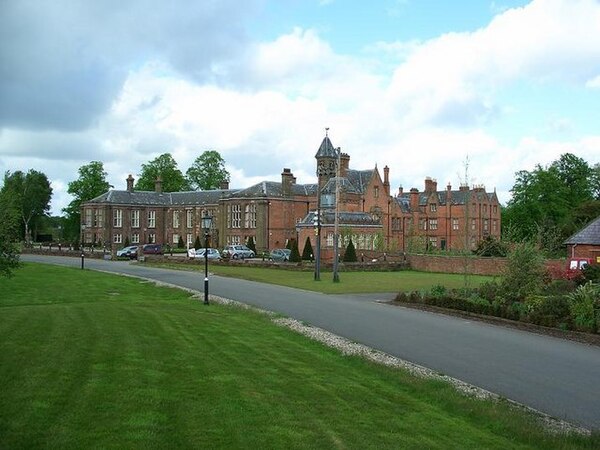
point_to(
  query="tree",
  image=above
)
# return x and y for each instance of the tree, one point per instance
(307, 253)
(31, 194)
(350, 254)
(250, 244)
(90, 184)
(524, 274)
(544, 200)
(180, 243)
(165, 167)
(208, 171)
(9, 232)
(295, 253)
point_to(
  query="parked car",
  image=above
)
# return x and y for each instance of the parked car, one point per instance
(212, 253)
(237, 252)
(129, 252)
(280, 254)
(152, 249)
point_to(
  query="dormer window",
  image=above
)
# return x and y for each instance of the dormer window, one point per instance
(432, 207)
(376, 191)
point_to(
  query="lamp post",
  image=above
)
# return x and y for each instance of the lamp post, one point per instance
(336, 275)
(206, 224)
(82, 252)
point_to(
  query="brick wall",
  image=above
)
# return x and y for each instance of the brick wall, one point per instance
(456, 264)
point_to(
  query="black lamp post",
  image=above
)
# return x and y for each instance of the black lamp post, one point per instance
(82, 252)
(206, 224)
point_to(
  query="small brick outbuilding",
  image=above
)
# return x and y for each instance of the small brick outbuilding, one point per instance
(585, 243)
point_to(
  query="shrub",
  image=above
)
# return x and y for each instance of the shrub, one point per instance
(524, 274)
(591, 272)
(560, 287)
(438, 291)
(180, 242)
(307, 253)
(295, 254)
(584, 305)
(489, 290)
(350, 254)
(490, 246)
(197, 243)
(251, 245)
(549, 311)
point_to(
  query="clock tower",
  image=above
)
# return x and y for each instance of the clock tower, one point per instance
(326, 156)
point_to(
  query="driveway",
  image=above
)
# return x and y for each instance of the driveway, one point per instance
(558, 377)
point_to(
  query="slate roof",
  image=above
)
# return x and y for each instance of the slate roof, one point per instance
(162, 199)
(590, 235)
(273, 189)
(326, 149)
(344, 218)
(456, 198)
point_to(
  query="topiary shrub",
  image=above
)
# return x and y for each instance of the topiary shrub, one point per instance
(295, 253)
(197, 243)
(307, 253)
(350, 254)
(251, 245)
(180, 243)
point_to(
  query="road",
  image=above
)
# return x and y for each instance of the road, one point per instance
(558, 377)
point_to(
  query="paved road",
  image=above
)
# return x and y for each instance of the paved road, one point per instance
(555, 376)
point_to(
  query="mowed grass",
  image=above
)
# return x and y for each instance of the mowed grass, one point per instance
(350, 282)
(92, 360)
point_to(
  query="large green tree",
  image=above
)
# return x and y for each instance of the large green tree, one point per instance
(208, 171)
(165, 167)
(30, 195)
(9, 232)
(90, 184)
(545, 202)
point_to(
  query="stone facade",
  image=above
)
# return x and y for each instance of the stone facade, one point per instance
(272, 213)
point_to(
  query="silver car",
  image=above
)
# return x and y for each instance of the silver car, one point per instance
(212, 253)
(237, 252)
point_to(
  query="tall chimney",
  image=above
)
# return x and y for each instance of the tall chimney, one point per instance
(130, 183)
(158, 185)
(344, 164)
(287, 180)
(414, 199)
(386, 178)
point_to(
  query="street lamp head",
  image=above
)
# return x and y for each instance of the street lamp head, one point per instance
(206, 223)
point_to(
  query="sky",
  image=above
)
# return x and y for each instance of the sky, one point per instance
(469, 91)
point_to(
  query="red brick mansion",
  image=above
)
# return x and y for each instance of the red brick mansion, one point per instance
(273, 212)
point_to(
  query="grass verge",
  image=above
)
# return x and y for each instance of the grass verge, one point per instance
(96, 360)
(350, 282)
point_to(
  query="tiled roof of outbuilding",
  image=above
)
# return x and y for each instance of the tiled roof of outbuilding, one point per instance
(589, 235)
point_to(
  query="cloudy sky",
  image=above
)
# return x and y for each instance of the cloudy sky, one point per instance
(417, 85)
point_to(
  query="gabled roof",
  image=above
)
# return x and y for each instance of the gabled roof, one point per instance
(344, 185)
(273, 189)
(589, 235)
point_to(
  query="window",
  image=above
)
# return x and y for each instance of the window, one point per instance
(175, 239)
(117, 218)
(135, 238)
(250, 216)
(135, 218)
(455, 224)
(233, 240)
(495, 209)
(152, 238)
(433, 224)
(494, 225)
(175, 219)
(329, 239)
(189, 218)
(433, 242)
(152, 219)
(98, 216)
(189, 239)
(422, 224)
(473, 224)
(236, 216)
(433, 207)
(396, 223)
(117, 238)
(486, 225)
(485, 209)
(88, 217)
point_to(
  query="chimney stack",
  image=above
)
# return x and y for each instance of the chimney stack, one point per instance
(430, 185)
(129, 183)
(386, 179)
(158, 185)
(414, 199)
(287, 180)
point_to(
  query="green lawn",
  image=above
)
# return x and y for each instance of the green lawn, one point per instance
(350, 282)
(92, 360)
